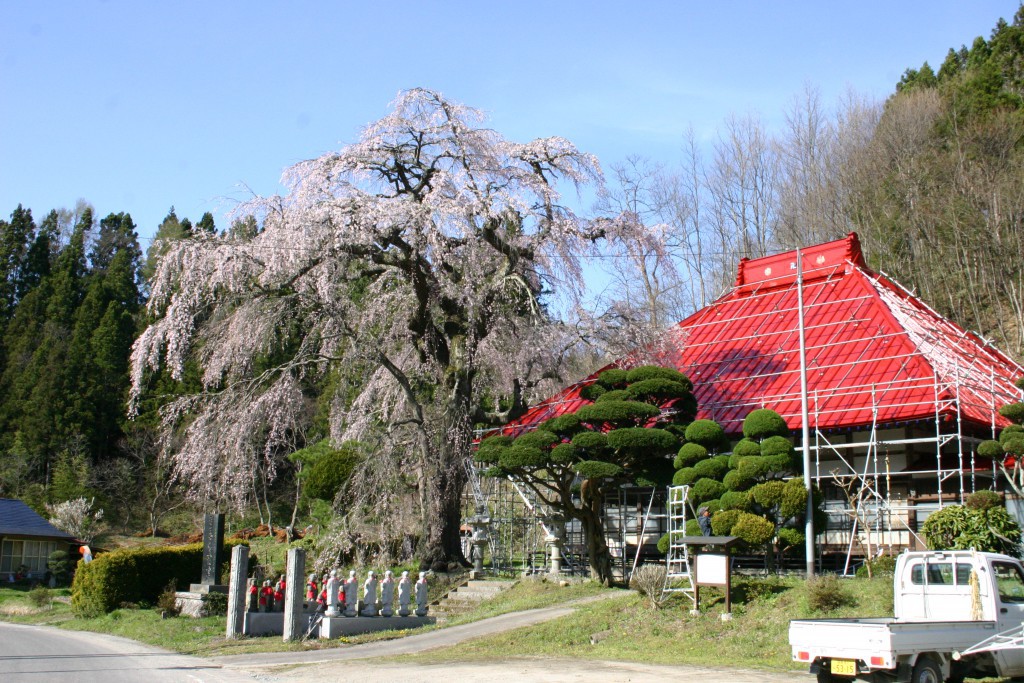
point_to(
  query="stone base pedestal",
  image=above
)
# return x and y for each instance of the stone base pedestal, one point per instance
(335, 627)
(271, 623)
(204, 588)
(190, 604)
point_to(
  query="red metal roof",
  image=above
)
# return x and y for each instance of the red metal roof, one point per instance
(872, 347)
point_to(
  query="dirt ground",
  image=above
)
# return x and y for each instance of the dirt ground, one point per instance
(534, 670)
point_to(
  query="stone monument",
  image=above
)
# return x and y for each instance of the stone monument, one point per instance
(237, 591)
(213, 556)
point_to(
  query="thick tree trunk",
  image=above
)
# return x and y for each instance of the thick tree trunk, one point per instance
(590, 514)
(446, 479)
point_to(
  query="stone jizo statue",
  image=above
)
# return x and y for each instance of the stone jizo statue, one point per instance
(332, 594)
(387, 594)
(351, 594)
(369, 596)
(404, 594)
(421, 595)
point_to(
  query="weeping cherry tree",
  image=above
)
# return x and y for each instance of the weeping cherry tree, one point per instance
(418, 258)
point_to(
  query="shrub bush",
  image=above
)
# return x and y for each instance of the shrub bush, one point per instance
(642, 439)
(712, 468)
(646, 372)
(1014, 412)
(649, 581)
(762, 423)
(826, 594)
(563, 424)
(590, 440)
(612, 378)
(983, 500)
(753, 468)
(133, 575)
(329, 473)
(723, 522)
(684, 476)
(167, 601)
(755, 530)
(689, 455)
(59, 562)
(884, 566)
(597, 469)
(736, 500)
(1011, 432)
(563, 454)
(215, 604)
(776, 445)
(615, 395)
(734, 480)
(657, 389)
(592, 392)
(536, 439)
(618, 412)
(515, 457)
(705, 490)
(39, 596)
(707, 433)
(746, 447)
(991, 449)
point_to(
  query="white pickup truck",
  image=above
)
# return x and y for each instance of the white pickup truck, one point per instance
(957, 613)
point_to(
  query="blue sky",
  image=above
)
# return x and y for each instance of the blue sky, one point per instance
(135, 106)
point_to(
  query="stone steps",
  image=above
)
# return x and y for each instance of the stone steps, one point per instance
(468, 595)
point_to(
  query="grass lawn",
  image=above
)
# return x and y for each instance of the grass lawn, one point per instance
(631, 630)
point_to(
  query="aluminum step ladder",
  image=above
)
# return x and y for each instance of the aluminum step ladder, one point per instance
(678, 574)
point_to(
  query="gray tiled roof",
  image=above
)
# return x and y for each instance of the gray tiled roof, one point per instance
(18, 519)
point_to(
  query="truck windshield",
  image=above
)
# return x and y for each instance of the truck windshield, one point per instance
(1009, 581)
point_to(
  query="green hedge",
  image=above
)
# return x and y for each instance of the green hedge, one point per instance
(134, 575)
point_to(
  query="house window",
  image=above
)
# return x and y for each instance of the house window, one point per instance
(31, 554)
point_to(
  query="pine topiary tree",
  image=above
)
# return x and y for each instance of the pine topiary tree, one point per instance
(621, 437)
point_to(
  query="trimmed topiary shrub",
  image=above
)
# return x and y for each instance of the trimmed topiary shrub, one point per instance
(646, 372)
(563, 454)
(745, 447)
(684, 476)
(618, 412)
(776, 445)
(515, 457)
(1011, 432)
(991, 449)
(791, 538)
(707, 433)
(133, 575)
(590, 441)
(329, 473)
(711, 468)
(592, 392)
(639, 438)
(597, 469)
(614, 377)
(536, 439)
(657, 390)
(563, 424)
(768, 494)
(753, 468)
(983, 500)
(734, 480)
(615, 395)
(689, 455)
(663, 544)
(706, 489)
(762, 423)
(1014, 412)
(736, 500)
(755, 530)
(496, 440)
(794, 498)
(722, 522)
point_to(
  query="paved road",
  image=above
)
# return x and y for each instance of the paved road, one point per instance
(38, 653)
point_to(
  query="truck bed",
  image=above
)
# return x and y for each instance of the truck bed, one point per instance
(882, 637)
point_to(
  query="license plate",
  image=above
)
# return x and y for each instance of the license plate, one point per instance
(843, 667)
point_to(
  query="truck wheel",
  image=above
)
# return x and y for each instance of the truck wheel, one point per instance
(927, 670)
(825, 676)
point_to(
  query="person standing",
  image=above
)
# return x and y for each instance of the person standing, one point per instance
(704, 520)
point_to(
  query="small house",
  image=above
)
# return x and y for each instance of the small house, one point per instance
(27, 540)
